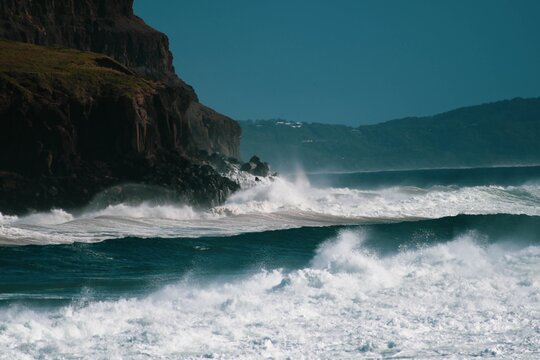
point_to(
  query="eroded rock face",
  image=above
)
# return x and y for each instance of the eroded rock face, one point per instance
(103, 26)
(60, 150)
(111, 28)
(65, 138)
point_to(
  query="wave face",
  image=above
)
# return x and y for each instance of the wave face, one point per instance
(283, 204)
(285, 269)
(463, 287)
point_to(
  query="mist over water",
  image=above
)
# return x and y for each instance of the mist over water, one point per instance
(292, 268)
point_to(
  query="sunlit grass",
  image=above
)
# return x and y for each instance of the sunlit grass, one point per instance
(30, 67)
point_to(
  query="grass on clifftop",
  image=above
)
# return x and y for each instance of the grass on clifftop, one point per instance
(79, 73)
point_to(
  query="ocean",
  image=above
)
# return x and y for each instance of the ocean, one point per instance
(421, 264)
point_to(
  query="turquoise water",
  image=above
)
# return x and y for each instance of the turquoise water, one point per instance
(420, 264)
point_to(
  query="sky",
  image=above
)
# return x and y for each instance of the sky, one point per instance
(350, 61)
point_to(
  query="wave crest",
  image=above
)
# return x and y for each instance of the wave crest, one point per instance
(268, 205)
(416, 303)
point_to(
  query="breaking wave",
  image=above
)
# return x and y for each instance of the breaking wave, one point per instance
(269, 205)
(462, 298)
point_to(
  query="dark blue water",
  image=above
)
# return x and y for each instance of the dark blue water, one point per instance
(503, 176)
(426, 286)
(121, 267)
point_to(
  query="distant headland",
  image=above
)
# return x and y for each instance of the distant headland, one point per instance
(495, 134)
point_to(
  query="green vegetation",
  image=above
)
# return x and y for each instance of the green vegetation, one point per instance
(30, 68)
(501, 133)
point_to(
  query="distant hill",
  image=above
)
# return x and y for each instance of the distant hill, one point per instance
(500, 133)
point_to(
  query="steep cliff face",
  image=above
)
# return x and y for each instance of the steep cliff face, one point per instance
(111, 28)
(103, 26)
(75, 122)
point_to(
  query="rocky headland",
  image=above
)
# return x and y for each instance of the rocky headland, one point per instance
(89, 99)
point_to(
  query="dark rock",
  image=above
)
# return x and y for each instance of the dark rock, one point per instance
(111, 28)
(68, 133)
(183, 180)
(256, 167)
(219, 162)
(102, 26)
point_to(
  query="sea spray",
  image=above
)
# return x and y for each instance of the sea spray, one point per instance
(269, 205)
(463, 298)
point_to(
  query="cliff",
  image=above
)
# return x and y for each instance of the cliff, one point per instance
(111, 28)
(102, 26)
(73, 122)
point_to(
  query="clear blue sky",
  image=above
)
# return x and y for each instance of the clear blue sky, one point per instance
(350, 61)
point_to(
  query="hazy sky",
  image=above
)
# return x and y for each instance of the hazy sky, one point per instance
(350, 61)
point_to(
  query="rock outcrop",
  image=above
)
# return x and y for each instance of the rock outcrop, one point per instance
(75, 122)
(256, 167)
(111, 28)
(102, 26)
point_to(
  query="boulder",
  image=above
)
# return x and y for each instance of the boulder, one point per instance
(256, 167)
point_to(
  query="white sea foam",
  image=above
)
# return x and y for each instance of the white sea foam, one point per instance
(460, 299)
(269, 205)
(55, 216)
(145, 210)
(388, 203)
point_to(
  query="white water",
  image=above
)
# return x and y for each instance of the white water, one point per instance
(455, 300)
(269, 205)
